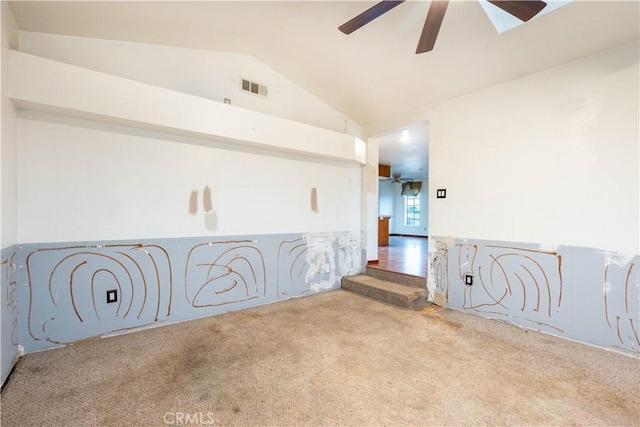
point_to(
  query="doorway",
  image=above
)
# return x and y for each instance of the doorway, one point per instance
(404, 254)
(403, 200)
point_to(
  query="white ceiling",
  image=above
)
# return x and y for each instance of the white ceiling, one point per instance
(406, 150)
(370, 75)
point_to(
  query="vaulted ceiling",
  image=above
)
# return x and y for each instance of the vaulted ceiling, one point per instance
(370, 75)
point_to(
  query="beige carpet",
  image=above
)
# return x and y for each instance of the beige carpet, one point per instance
(330, 359)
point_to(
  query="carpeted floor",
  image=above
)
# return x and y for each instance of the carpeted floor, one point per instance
(329, 359)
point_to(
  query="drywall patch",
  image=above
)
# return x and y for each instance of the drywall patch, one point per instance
(617, 258)
(210, 214)
(211, 220)
(193, 202)
(439, 274)
(320, 257)
(449, 241)
(349, 254)
(207, 204)
(314, 200)
(548, 247)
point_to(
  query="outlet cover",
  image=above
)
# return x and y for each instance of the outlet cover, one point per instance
(441, 193)
(112, 296)
(468, 279)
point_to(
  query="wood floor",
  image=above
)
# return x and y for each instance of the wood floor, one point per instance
(406, 255)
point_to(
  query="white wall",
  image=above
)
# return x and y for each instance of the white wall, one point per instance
(396, 224)
(385, 197)
(8, 137)
(370, 199)
(542, 173)
(103, 157)
(83, 181)
(53, 87)
(208, 74)
(8, 200)
(391, 202)
(548, 158)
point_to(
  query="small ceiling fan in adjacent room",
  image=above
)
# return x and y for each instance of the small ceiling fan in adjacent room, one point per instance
(397, 178)
(521, 9)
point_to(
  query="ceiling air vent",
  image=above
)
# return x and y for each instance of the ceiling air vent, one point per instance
(253, 87)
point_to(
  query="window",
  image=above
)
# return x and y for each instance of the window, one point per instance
(412, 211)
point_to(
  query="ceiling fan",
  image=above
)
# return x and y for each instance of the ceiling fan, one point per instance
(397, 178)
(521, 9)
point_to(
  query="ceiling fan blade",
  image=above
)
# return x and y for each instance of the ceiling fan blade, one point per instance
(523, 9)
(368, 15)
(432, 25)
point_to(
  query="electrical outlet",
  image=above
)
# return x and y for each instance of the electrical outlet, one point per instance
(468, 279)
(441, 193)
(112, 296)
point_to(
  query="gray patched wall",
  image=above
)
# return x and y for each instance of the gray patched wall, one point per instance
(578, 293)
(63, 288)
(8, 300)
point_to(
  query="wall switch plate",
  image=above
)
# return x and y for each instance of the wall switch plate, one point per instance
(468, 279)
(112, 296)
(441, 193)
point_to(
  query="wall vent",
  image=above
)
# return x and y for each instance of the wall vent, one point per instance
(253, 87)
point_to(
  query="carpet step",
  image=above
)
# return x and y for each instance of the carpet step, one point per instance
(393, 293)
(401, 278)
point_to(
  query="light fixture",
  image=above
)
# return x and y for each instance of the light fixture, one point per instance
(405, 137)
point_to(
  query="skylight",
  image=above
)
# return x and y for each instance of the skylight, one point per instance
(503, 21)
